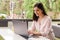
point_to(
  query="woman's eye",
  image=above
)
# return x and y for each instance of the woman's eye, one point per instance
(37, 10)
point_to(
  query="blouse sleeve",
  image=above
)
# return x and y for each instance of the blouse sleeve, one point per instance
(46, 27)
(32, 27)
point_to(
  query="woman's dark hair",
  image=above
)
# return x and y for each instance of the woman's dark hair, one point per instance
(40, 6)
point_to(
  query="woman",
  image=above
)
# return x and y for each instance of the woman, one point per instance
(41, 25)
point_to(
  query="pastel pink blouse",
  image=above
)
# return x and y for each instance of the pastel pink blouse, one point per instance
(44, 27)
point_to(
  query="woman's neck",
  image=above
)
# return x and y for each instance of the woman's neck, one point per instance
(41, 16)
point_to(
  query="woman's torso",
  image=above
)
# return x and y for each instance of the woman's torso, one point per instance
(39, 27)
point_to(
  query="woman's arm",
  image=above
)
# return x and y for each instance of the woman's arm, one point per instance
(46, 28)
(34, 33)
(32, 29)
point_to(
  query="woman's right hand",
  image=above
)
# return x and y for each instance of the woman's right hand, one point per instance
(30, 32)
(34, 33)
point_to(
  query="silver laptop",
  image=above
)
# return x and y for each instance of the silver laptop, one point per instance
(20, 27)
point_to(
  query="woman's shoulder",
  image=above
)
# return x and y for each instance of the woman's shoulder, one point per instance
(48, 18)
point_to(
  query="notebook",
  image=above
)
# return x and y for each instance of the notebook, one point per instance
(20, 27)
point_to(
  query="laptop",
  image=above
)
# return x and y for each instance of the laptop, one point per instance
(20, 27)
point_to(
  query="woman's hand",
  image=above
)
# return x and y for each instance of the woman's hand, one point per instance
(37, 33)
(34, 33)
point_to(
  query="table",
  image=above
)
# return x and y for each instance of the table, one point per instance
(8, 34)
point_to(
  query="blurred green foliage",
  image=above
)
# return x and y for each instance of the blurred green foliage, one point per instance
(52, 5)
(27, 6)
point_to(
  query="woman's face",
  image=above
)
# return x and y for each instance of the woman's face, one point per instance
(37, 11)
